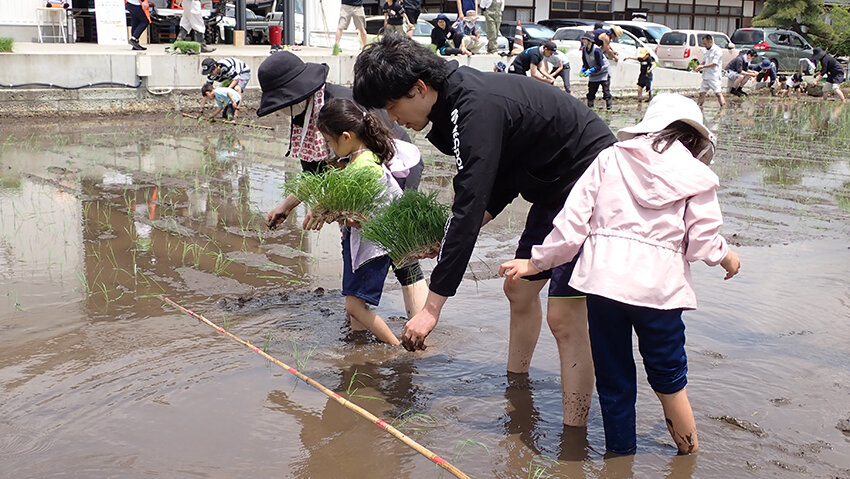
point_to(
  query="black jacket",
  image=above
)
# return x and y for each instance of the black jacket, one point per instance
(831, 69)
(510, 136)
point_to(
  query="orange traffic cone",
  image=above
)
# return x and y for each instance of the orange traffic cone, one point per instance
(518, 46)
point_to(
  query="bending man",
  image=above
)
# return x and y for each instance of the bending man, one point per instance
(509, 137)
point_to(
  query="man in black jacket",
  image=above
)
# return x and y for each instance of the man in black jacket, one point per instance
(833, 70)
(509, 136)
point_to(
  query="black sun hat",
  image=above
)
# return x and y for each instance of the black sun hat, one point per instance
(286, 80)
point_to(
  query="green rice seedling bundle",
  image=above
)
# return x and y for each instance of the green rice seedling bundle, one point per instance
(6, 44)
(339, 194)
(186, 47)
(409, 227)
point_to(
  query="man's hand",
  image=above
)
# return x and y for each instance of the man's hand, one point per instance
(731, 263)
(417, 329)
(423, 322)
(517, 268)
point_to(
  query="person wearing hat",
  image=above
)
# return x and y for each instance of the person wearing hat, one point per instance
(830, 67)
(642, 212)
(300, 90)
(712, 61)
(766, 71)
(647, 64)
(602, 37)
(230, 72)
(508, 136)
(442, 33)
(738, 71)
(594, 66)
(471, 42)
(533, 60)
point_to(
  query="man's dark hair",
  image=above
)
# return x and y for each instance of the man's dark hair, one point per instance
(707, 37)
(386, 70)
(752, 53)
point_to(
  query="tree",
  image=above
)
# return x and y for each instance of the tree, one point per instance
(802, 16)
(841, 25)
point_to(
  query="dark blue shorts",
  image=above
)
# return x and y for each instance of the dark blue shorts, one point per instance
(367, 283)
(538, 224)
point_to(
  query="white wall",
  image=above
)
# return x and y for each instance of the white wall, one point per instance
(18, 12)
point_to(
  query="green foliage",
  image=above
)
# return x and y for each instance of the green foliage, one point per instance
(840, 16)
(432, 47)
(795, 14)
(411, 225)
(6, 44)
(187, 47)
(338, 194)
(693, 64)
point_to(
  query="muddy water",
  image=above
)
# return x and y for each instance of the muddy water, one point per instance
(99, 379)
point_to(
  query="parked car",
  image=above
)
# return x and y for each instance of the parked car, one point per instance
(532, 34)
(256, 27)
(682, 49)
(501, 42)
(646, 32)
(783, 48)
(626, 45)
(421, 33)
(556, 23)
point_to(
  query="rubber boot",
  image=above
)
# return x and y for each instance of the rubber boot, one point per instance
(589, 103)
(199, 37)
(182, 35)
(609, 104)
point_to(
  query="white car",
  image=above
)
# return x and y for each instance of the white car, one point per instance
(647, 32)
(627, 45)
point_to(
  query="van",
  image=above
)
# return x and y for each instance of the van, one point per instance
(782, 47)
(683, 50)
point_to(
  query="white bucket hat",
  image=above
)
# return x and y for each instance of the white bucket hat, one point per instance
(664, 109)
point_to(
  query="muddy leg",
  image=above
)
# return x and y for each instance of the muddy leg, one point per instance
(526, 319)
(359, 313)
(414, 297)
(680, 420)
(567, 318)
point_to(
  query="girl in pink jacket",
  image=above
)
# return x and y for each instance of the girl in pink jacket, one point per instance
(638, 216)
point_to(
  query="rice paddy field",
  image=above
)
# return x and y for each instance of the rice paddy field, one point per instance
(99, 216)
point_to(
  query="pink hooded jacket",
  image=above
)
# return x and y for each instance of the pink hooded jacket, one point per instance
(641, 217)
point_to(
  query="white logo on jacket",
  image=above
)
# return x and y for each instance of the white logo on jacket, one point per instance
(456, 140)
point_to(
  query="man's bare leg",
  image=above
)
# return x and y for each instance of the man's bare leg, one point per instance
(526, 320)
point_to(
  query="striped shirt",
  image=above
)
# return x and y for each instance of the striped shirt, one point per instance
(230, 69)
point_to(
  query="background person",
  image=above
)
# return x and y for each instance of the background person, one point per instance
(644, 210)
(738, 71)
(464, 6)
(471, 42)
(394, 17)
(532, 60)
(594, 66)
(140, 18)
(710, 68)
(192, 20)
(603, 37)
(830, 67)
(492, 21)
(445, 38)
(509, 137)
(230, 72)
(351, 10)
(647, 64)
(226, 98)
(561, 68)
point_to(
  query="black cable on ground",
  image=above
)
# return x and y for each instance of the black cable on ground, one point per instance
(88, 85)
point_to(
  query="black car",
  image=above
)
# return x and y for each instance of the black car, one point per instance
(533, 35)
(556, 23)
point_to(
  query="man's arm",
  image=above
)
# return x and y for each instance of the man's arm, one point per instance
(537, 72)
(460, 9)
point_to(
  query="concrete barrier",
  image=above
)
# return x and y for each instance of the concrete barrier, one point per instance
(174, 80)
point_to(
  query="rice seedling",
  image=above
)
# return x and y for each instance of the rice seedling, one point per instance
(461, 447)
(413, 421)
(6, 44)
(538, 467)
(267, 341)
(411, 226)
(339, 194)
(300, 361)
(354, 385)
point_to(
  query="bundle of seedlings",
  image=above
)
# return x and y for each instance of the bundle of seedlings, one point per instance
(409, 227)
(6, 44)
(339, 194)
(186, 47)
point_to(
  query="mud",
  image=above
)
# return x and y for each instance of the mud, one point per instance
(102, 215)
